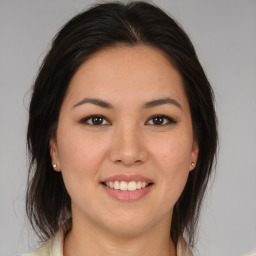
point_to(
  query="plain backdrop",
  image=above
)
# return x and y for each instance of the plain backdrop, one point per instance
(224, 35)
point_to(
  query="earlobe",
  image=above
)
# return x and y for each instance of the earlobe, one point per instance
(54, 155)
(194, 155)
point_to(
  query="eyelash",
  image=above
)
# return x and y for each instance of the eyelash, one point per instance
(169, 119)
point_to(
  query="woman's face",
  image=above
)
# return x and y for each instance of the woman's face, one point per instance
(140, 135)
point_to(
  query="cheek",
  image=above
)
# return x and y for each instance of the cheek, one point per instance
(173, 157)
(173, 153)
(77, 148)
(80, 157)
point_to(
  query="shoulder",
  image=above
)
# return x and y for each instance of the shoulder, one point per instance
(182, 248)
(52, 247)
(43, 250)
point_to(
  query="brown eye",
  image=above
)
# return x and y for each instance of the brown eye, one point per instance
(158, 120)
(95, 120)
(161, 120)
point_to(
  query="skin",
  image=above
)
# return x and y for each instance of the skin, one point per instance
(127, 142)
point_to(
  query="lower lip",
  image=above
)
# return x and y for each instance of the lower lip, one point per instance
(127, 195)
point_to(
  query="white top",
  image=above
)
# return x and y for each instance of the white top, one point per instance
(54, 247)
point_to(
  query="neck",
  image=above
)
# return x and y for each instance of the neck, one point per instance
(87, 240)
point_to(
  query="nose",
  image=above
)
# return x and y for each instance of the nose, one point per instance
(127, 146)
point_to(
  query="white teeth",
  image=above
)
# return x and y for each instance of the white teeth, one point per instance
(132, 186)
(138, 185)
(116, 185)
(111, 184)
(143, 184)
(124, 186)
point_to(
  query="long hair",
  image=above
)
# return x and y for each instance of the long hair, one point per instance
(48, 205)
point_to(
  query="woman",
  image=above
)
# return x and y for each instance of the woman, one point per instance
(122, 135)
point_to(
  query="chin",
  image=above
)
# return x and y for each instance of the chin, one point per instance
(129, 225)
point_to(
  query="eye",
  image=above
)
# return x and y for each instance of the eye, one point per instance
(95, 120)
(99, 120)
(161, 120)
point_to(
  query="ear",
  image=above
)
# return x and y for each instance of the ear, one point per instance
(54, 155)
(194, 155)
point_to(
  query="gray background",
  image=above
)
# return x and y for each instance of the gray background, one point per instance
(224, 35)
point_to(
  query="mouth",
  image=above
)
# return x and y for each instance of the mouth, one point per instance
(127, 186)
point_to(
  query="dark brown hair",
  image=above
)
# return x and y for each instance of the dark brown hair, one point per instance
(48, 204)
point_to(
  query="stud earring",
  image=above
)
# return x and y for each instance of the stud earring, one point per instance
(54, 165)
(193, 164)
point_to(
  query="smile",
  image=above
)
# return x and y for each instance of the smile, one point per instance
(127, 186)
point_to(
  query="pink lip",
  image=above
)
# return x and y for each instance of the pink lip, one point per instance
(128, 178)
(127, 195)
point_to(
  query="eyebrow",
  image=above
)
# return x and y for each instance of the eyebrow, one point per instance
(148, 104)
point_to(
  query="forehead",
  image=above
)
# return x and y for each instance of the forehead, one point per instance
(127, 73)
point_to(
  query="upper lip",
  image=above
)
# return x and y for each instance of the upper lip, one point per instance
(127, 178)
